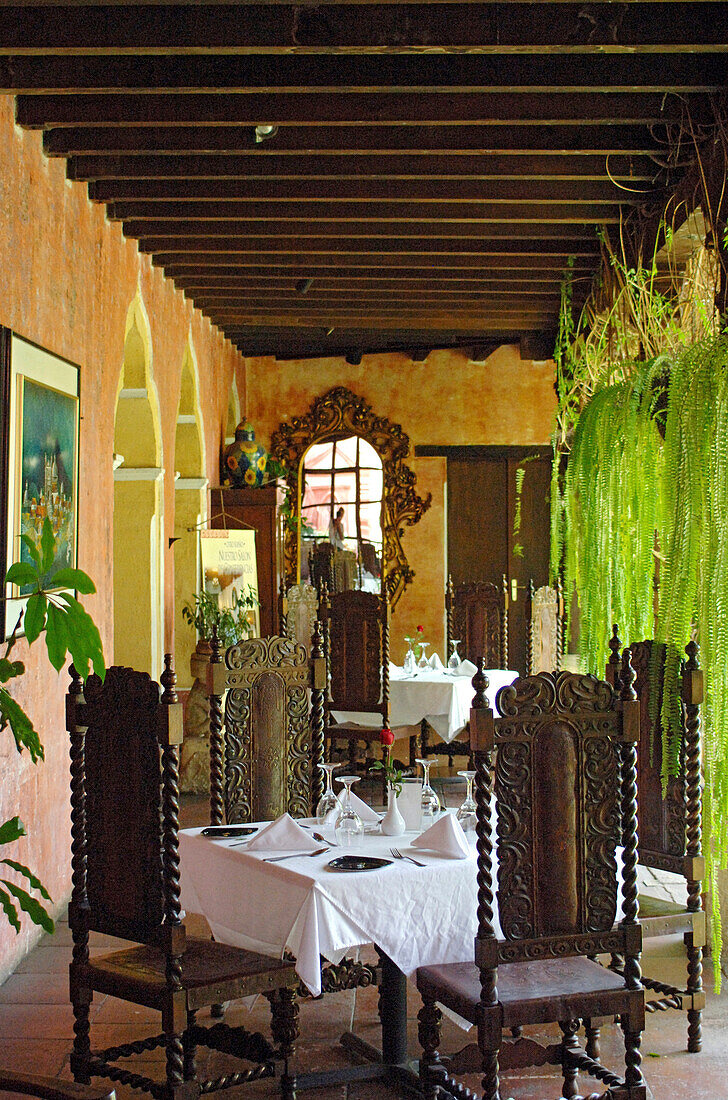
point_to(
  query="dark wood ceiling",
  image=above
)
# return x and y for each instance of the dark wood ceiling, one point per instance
(434, 164)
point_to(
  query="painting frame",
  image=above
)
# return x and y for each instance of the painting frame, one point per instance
(41, 422)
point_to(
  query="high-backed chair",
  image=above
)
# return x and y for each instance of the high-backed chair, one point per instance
(565, 784)
(332, 568)
(358, 648)
(300, 611)
(125, 858)
(265, 748)
(545, 642)
(670, 821)
(477, 615)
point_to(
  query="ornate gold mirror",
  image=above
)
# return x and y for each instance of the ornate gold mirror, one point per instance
(370, 451)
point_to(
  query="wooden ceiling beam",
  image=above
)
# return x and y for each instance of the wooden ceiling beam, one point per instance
(394, 176)
(264, 297)
(330, 28)
(498, 321)
(593, 141)
(303, 264)
(314, 109)
(568, 234)
(211, 285)
(313, 246)
(120, 189)
(111, 75)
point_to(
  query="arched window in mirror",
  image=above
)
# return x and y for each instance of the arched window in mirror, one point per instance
(341, 501)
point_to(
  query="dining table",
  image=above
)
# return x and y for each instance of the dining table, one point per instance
(439, 697)
(414, 915)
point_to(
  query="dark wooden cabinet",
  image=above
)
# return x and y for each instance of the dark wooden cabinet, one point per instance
(256, 508)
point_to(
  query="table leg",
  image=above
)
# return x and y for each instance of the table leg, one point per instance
(393, 1012)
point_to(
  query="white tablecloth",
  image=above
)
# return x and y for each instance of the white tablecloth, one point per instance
(416, 915)
(443, 700)
(419, 916)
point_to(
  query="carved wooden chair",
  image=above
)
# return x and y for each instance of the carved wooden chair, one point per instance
(565, 780)
(300, 611)
(477, 614)
(545, 642)
(358, 648)
(670, 824)
(265, 747)
(125, 858)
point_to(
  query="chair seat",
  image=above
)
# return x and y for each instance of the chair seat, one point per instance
(352, 729)
(544, 991)
(211, 973)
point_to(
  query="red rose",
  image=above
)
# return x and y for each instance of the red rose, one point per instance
(421, 629)
(386, 736)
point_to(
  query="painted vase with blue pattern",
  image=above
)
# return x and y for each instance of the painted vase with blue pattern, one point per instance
(245, 459)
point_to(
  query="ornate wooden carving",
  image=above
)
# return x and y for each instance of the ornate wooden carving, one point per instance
(477, 615)
(301, 613)
(336, 415)
(544, 630)
(358, 639)
(557, 793)
(267, 750)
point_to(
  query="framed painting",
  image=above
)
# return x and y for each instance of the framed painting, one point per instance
(42, 460)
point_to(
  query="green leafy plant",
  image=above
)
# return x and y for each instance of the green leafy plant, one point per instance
(233, 623)
(68, 628)
(392, 774)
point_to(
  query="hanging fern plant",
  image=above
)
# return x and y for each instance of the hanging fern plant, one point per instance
(694, 583)
(613, 504)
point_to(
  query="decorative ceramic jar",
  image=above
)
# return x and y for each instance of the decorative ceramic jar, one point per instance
(245, 459)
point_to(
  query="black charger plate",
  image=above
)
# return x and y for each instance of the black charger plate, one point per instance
(223, 832)
(357, 863)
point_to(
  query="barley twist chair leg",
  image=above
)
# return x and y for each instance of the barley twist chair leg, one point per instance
(569, 1042)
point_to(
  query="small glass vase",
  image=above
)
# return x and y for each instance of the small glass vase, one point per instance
(392, 822)
(410, 662)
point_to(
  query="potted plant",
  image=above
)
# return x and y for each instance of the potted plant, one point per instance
(233, 624)
(67, 628)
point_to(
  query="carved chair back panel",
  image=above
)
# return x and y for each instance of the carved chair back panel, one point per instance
(661, 819)
(557, 793)
(123, 805)
(477, 621)
(302, 610)
(544, 653)
(357, 644)
(266, 730)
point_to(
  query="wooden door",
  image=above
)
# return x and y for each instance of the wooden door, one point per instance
(493, 530)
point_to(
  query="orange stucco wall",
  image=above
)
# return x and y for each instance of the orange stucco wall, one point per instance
(67, 279)
(446, 399)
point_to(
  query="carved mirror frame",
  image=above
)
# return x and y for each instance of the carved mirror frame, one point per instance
(337, 415)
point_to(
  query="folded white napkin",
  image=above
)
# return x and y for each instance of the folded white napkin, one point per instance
(445, 836)
(435, 663)
(467, 668)
(283, 834)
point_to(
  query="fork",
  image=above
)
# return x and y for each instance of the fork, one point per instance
(295, 855)
(398, 855)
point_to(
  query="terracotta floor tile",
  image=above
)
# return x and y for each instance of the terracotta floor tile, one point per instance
(35, 989)
(51, 959)
(34, 1055)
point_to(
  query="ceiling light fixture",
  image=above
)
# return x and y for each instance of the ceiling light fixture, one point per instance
(265, 131)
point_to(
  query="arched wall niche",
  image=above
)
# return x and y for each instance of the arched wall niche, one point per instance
(190, 508)
(138, 504)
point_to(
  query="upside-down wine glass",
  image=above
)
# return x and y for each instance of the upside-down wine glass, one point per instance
(422, 663)
(430, 802)
(349, 826)
(454, 662)
(329, 800)
(466, 815)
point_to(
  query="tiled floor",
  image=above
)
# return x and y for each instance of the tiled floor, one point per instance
(36, 1032)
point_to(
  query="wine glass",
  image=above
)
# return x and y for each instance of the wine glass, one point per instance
(466, 815)
(430, 802)
(349, 826)
(422, 663)
(329, 800)
(454, 662)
